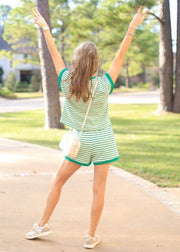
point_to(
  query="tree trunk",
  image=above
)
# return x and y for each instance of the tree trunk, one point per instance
(63, 41)
(49, 76)
(144, 73)
(127, 74)
(165, 59)
(176, 105)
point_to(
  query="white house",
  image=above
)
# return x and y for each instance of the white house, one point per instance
(22, 71)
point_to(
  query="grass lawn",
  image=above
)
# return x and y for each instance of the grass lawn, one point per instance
(130, 90)
(149, 145)
(24, 95)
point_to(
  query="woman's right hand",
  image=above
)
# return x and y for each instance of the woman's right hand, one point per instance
(138, 18)
(38, 19)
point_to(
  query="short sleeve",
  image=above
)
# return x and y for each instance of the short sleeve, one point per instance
(109, 82)
(63, 79)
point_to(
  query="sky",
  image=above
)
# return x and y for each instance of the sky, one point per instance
(173, 9)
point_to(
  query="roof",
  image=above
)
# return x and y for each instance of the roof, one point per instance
(22, 48)
(3, 44)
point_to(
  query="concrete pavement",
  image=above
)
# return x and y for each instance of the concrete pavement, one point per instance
(17, 105)
(138, 216)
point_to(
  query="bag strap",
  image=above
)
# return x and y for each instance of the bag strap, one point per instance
(90, 102)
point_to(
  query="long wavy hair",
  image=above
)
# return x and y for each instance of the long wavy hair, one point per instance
(84, 65)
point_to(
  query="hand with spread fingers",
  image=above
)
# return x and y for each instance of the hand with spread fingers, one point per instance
(38, 19)
(138, 18)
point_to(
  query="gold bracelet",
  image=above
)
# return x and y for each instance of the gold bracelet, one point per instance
(130, 34)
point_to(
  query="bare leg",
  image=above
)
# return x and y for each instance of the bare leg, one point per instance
(64, 172)
(100, 176)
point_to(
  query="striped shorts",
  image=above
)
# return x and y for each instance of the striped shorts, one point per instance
(98, 147)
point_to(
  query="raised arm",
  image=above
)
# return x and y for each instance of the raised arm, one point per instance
(55, 55)
(118, 60)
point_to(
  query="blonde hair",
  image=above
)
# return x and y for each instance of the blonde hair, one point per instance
(84, 65)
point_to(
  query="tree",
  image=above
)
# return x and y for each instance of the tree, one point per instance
(86, 29)
(4, 11)
(20, 33)
(49, 77)
(176, 105)
(146, 40)
(1, 75)
(60, 21)
(10, 82)
(96, 19)
(23, 34)
(169, 98)
(165, 59)
(142, 54)
(144, 48)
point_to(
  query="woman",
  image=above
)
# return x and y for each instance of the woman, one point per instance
(98, 144)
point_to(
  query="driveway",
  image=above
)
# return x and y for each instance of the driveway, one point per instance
(138, 216)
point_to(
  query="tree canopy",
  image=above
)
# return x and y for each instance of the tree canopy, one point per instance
(104, 22)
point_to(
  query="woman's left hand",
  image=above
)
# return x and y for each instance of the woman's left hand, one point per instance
(38, 19)
(138, 18)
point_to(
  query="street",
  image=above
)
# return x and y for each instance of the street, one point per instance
(15, 105)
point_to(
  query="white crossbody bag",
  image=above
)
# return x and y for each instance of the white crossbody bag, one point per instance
(70, 144)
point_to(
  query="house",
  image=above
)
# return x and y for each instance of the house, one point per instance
(22, 71)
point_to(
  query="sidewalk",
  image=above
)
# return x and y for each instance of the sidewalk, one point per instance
(137, 217)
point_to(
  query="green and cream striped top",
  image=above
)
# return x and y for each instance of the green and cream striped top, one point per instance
(74, 112)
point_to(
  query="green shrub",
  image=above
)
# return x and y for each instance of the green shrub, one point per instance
(143, 85)
(35, 82)
(155, 77)
(119, 83)
(10, 82)
(5, 92)
(1, 74)
(30, 88)
(22, 86)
